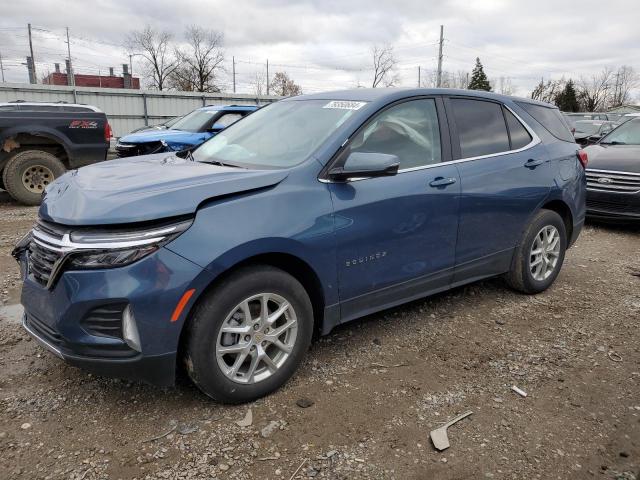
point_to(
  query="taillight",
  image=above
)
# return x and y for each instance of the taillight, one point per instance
(107, 132)
(583, 157)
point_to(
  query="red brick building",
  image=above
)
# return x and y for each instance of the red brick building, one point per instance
(102, 81)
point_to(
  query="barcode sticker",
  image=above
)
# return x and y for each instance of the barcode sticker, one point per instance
(345, 105)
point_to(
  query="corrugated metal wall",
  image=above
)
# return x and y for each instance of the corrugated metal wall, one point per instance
(128, 109)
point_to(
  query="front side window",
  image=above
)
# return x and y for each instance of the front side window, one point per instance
(626, 134)
(408, 130)
(481, 127)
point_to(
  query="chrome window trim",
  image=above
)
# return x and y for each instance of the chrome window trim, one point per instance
(535, 140)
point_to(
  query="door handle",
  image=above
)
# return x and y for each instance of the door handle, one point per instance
(442, 182)
(531, 163)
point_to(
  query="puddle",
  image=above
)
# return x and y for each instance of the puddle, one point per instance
(12, 313)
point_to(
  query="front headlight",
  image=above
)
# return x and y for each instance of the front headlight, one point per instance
(116, 248)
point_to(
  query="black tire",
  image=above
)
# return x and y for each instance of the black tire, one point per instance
(520, 277)
(46, 166)
(208, 318)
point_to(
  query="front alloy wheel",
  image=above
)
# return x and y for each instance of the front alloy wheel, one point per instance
(246, 336)
(256, 338)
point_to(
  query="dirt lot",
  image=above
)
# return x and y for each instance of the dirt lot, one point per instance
(378, 386)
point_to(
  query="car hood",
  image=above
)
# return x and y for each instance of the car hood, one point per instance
(144, 188)
(169, 136)
(619, 158)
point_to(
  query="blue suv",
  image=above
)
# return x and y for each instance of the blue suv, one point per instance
(311, 212)
(184, 133)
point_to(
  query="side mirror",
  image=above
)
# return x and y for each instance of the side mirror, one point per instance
(365, 165)
(215, 128)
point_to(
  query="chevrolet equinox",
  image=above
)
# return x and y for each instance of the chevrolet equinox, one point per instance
(309, 213)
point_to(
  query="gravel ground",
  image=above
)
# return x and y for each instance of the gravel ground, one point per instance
(371, 391)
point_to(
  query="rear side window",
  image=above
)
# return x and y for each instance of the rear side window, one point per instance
(551, 119)
(481, 127)
(519, 135)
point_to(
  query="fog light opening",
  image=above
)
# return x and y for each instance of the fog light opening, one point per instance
(130, 329)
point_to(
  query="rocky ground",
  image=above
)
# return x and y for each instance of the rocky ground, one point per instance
(365, 400)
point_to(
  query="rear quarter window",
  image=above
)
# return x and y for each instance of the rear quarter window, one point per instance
(551, 119)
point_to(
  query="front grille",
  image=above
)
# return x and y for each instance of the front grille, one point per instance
(44, 254)
(614, 182)
(135, 149)
(609, 206)
(105, 321)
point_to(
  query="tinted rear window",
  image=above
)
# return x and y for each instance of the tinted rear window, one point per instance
(520, 137)
(481, 127)
(551, 119)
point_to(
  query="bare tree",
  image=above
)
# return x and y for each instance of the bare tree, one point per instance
(384, 63)
(595, 91)
(626, 79)
(259, 83)
(200, 61)
(284, 86)
(155, 48)
(505, 87)
(547, 92)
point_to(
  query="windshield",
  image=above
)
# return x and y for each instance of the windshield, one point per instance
(279, 135)
(195, 121)
(587, 127)
(626, 134)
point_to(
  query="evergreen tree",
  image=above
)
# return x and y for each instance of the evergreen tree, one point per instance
(567, 99)
(479, 80)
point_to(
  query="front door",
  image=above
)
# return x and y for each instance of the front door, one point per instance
(396, 236)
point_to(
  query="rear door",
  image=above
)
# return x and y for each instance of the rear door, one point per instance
(396, 235)
(505, 175)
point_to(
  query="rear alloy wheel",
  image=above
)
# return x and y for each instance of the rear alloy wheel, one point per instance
(28, 173)
(539, 256)
(247, 336)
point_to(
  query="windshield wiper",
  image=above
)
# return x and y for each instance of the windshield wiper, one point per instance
(220, 163)
(615, 142)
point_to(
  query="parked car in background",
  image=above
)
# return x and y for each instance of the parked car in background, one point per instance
(161, 126)
(40, 141)
(613, 176)
(587, 132)
(186, 133)
(309, 213)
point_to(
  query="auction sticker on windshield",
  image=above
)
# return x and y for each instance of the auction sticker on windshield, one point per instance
(345, 105)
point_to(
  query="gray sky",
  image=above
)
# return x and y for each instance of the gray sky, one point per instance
(325, 44)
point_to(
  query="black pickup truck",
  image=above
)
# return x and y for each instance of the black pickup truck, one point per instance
(40, 141)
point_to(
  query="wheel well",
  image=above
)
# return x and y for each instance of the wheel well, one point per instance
(28, 141)
(291, 264)
(564, 211)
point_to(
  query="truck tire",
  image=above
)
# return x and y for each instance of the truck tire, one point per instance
(27, 173)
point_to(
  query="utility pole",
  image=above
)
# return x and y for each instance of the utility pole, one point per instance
(70, 72)
(1, 67)
(131, 64)
(267, 76)
(418, 76)
(233, 60)
(439, 76)
(33, 59)
(615, 91)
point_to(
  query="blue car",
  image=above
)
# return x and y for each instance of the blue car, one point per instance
(184, 133)
(311, 212)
